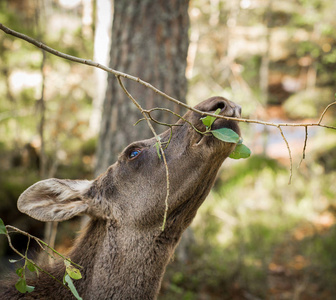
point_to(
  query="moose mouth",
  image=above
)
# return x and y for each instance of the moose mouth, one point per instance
(209, 139)
(192, 132)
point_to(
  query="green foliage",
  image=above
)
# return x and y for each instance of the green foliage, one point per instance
(316, 4)
(157, 146)
(321, 250)
(3, 229)
(68, 281)
(304, 104)
(330, 58)
(249, 222)
(13, 182)
(22, 287)
(208, 120)
(308, 47)
(227, 135)
(89, 146)
(32, 268)
(73, 272)
(241, 151)
(21, 284)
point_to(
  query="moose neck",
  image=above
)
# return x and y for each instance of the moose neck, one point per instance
(119, 263)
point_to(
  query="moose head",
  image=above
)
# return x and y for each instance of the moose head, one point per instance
(124, 251)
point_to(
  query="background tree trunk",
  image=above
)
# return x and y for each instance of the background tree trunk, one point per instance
(101, 54)
(150, 41)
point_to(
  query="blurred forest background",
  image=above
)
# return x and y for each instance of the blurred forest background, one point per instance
(255, 237)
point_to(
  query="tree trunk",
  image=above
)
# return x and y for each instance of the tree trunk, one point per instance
(150, 41)
(265, 60)
(101, 51)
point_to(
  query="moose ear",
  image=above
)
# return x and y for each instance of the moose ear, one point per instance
(54, 199)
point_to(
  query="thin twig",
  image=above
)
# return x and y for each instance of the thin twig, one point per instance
(170, 137)
(290, 155)
(175, 114)
(41, 242)
(304, 146)
(160, 146)
(148, 118)
(28, 242)
(325, 110)
(161, 123)
(38, 242)
(29, 260)
(137, 122)
(148, 85)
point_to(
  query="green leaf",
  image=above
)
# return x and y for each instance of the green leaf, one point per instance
(30, 288)
(31, 267)
(67, 263)
(71, 286)
(73, 272)
(226, 135)
(3, 229)
(241, 151)
(208, 120)
(19, 272)
(22, 287)
(158, 149)
(13, 260)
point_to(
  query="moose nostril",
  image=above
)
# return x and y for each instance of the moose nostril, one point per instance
(218, 105)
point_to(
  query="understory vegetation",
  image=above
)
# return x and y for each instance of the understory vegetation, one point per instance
(258, 236)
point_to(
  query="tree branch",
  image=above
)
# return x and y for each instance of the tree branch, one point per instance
(304, 146)
(158, 142)
(119, 74)
(290, 155)
(25, 256)
(324, 112)
(148, 85)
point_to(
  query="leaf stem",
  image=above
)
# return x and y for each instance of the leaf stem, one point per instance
(29, 260)
(160, 146)
(39, 241)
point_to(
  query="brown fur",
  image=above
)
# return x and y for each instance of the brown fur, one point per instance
(123, 251)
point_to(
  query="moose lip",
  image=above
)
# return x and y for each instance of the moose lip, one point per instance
(200, 138)
(203, 138)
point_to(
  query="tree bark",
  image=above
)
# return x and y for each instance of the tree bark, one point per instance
(150, 41)
(101, 54)
(265, 60)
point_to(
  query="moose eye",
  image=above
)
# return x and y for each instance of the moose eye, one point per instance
(134, 153)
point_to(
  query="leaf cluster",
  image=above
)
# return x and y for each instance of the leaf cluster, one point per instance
(71, 272)
(227, 135)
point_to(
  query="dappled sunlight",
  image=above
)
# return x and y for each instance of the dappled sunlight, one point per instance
(20, 80)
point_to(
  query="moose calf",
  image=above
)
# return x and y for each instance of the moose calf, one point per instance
(123, 250)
